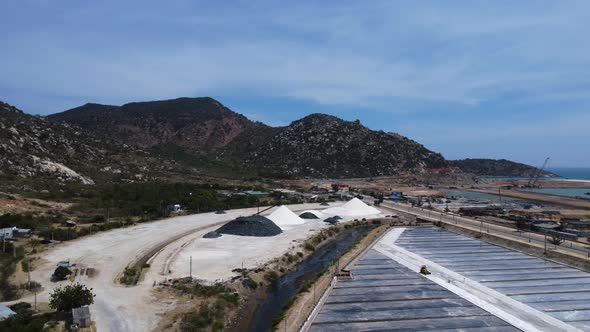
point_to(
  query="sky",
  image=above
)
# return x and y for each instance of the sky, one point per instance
(468, 79)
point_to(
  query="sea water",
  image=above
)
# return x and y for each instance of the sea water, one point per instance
(573, 173)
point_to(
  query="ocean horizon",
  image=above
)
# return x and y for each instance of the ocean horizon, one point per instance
(573, 173)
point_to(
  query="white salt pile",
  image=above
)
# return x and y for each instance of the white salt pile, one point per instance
(353, 208)
(284, 217)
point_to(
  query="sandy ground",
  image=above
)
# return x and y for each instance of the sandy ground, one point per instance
(214, 259)
(121, 308)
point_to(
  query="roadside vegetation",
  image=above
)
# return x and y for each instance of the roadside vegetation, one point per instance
(102, 208)
(215, 301)
(8, 263)
(62, 300)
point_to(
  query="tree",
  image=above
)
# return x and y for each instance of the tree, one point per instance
(61, 273)
(335, 187)
(70, 296)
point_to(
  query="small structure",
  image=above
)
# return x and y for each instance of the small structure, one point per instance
(81, 316)
(394, 197)
(70, 223)
(424, 270)
(13, 232)
(64, 264)
(5, 312)
(255, 193)
(175, 208)
(6, 233)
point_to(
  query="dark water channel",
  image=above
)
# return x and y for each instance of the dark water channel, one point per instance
(288, 285)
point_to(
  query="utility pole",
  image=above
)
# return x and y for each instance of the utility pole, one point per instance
(314, 293)
(3, 244)
(29, 271)
(190, 268)
(545, 252)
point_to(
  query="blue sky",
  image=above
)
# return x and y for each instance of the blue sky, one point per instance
(500, 79)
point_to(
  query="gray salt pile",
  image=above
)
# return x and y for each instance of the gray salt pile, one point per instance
(332, 220)
(250, 226)
(308, 215)
(211, 235)
(324, 204)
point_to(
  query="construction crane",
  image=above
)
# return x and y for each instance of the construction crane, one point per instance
(533, 180)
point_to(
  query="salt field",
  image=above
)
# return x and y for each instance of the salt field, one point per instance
(386, 296)
(559, 291)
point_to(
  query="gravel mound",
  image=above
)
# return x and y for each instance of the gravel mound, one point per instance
(333, 220)
(308, 215)
(211, 235)
(250, 226)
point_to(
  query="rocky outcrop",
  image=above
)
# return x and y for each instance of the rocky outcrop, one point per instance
(37, 147)
(321, 145)
(197, 125)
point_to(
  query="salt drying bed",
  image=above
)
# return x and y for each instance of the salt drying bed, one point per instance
(386, 296)
(558, 290)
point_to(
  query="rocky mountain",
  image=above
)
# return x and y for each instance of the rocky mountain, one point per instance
(205, 137)
(197, 125)
(38, 147)
(497, 167)
(322, 145)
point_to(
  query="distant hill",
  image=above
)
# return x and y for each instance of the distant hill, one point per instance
(206, 134)
(321, 145)
(40, 148)
(497, 167)
(197, 125)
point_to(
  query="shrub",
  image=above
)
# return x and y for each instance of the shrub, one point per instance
(61, 273)
(556, 240)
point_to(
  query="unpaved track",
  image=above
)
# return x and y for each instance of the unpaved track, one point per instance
(116, 307)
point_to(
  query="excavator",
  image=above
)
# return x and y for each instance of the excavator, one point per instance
(536, 175)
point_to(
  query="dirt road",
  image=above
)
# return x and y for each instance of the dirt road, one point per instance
(120, 308)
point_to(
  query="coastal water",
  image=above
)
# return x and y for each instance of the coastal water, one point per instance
(570, 192)
(574, 173)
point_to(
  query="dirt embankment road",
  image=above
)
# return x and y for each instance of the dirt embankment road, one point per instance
(542, 198)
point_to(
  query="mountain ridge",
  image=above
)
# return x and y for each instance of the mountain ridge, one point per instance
(305, 148)
(202, 136)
